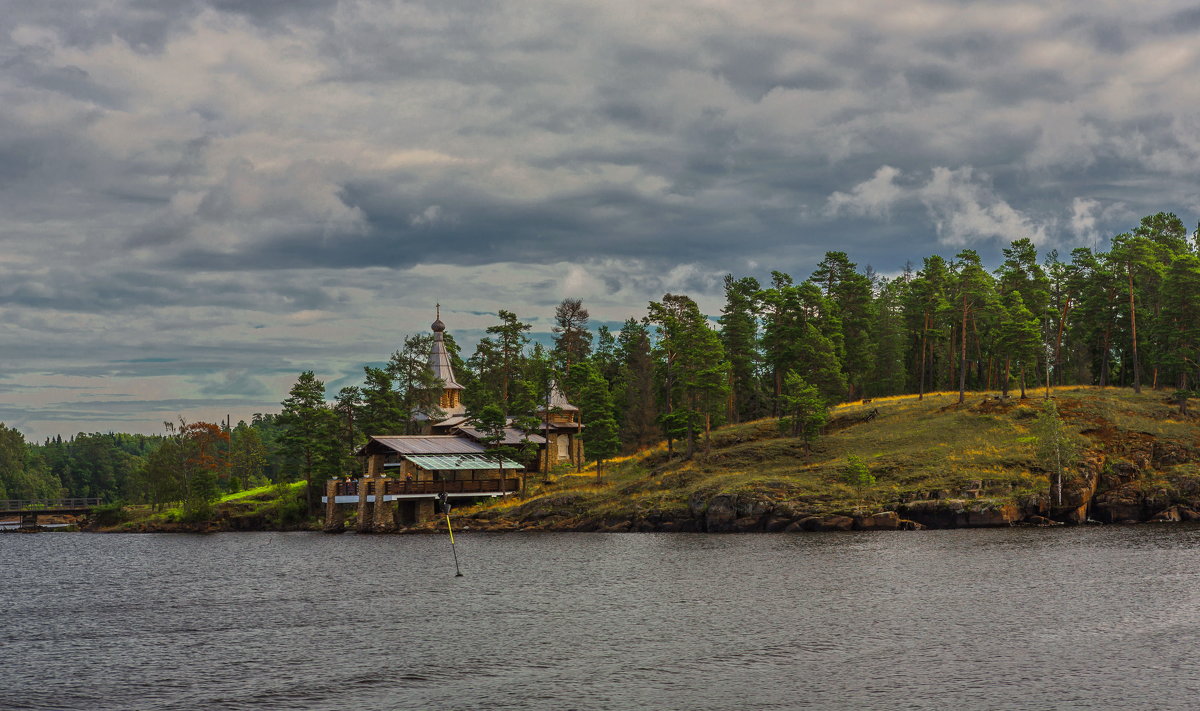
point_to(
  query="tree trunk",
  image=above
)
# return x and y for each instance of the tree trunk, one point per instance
(924, 339)
(962, 375)
(707, 434)
(1022, 380)
(1062, 321)
(1004, 385)
(308, 497)
(670, 411)
(1137, 373)
(1104, 357)
(691, 438)
(732, 406)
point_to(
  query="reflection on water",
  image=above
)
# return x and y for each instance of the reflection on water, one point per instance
(983, 619)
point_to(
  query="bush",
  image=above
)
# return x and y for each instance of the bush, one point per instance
(196, 511)
(288, 509)
(856, 473)
(110, 514)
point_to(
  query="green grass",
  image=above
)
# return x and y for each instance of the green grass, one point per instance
(262, 492)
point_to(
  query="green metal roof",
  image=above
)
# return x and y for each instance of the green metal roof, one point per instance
(446, 462)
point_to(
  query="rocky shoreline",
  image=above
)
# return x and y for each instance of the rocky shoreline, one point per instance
(722, 514)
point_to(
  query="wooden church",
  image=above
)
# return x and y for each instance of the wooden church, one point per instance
(405, 474)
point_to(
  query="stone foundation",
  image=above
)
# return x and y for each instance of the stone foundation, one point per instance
(335, 516)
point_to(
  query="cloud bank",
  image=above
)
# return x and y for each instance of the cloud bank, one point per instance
(199, 199)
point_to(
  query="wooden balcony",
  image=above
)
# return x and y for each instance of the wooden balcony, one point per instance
(463, 487)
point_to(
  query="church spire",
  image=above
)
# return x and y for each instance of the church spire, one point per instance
(439, 358)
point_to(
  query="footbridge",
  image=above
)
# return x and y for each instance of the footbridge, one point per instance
(30, 509)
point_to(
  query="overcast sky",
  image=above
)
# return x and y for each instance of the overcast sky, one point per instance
(198, 200)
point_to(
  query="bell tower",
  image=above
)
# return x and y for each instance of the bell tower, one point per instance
(439, 366)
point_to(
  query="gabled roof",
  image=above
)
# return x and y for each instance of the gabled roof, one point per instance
(558, 401)
(512, 435)
(421, 444)
(452, 421)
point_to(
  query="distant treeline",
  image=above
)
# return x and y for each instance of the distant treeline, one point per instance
(1129, 316)
(137, 468)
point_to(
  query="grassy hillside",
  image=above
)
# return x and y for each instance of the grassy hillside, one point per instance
(276, 507)
(935, 462)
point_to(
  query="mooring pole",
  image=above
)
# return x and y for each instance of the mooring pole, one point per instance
(453, 549)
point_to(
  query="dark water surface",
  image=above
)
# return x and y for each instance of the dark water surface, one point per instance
(982, 619)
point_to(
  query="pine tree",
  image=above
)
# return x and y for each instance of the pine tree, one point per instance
(805, 410)
(595, 404)
(695, 372)
(382, 410)
(572, 340)
(1133, 258)
(850, 301)
(493, 423)
(485, 367)
(310, 433)
(1018, 338)
(346, 406)
(606, 357)
(973, 294)
(927, 310)
(1096, 288)
(1181, 323)
(510, 344)
(248, 455)
(793, 338)
(739, 336)
(1063, 278)
(1021, 273)
(636, 408)
(888, 375)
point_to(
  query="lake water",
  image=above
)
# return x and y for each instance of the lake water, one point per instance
(968, 619)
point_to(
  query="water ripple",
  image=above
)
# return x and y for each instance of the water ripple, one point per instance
(1014, 619)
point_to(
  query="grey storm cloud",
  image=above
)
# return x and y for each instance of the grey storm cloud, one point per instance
(245, 189)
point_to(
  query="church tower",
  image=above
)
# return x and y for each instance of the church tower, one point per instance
(439, 366)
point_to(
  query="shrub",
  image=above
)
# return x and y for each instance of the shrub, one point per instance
(196, 511)
(856, 473)
(288, 508)
(110, 514)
